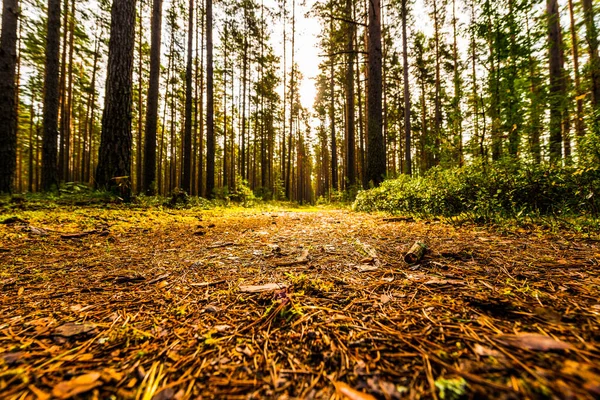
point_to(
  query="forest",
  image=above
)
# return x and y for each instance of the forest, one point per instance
(299, 199)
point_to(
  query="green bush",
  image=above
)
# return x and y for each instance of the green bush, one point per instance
(509, 189)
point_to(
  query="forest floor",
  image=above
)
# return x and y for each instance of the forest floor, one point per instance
(291, 304)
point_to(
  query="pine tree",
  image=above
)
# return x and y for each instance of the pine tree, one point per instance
(149, 180)
(114, 158)
(8, 122)
(376, 151)
(51, 87)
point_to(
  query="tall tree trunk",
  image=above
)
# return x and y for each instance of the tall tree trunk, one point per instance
(31, 141)
(334, 159)
(201, 110)
(350, 132)
(149, 180)
(187, 153)
(376, 151)
(407, 127)
(288, 183)
(68, 106)
(51, 87)
(557, 86)
(62, 93)
(210, 123)
(594, 63)
(114, 158)
(579, 125)
(8, 121)
(140, 107)
(87, 167)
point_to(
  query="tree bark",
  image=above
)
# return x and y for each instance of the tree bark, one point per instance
(557, 86)
(8, 121)
(149, 180)
(114, 159)
(594, 63)
(376, 151)
(350, 132)
(210, 122)
(187, 152)
(579, 125)
(51, 86)
(407, 127)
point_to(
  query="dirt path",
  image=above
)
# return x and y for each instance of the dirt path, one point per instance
(136, 304)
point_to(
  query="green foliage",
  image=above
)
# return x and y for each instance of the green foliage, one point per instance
(484, 192)
(451, 389)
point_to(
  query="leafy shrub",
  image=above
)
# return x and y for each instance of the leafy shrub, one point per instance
(508, 189)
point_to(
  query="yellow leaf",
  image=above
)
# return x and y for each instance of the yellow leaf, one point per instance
(580, 97)
(351, 394)
(75, 386)
(21, 290)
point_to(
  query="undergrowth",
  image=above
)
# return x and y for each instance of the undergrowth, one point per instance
(494, 193)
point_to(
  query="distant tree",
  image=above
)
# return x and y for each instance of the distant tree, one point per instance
(8, 121)
(114, 158)
(51, 84)
(149, 180)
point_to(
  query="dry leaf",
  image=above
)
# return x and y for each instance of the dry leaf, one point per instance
(262, 288)
(73, 329)
(351, 394)
(78, 385)
(21, 290)
(485, 351)
(533, 341)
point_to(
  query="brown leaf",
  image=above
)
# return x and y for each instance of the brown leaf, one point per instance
(533, 341)
(485, 351)
(75, 386)
(262, 288)
(351, 394)
(74, 329)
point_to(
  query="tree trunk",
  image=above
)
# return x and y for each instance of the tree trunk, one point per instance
(350, 133)
(594, 63)
(149, 180)
(407, 127)
(187, 139)
(140, 108)
(114, 158)
(210, 123)
(51, 83)
(579, 125)
(557, 86)
(8, 122)
(376, 151)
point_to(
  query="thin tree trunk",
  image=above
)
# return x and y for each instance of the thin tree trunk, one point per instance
(594, 63)
(407, 127)
(557, 89)
(579, 125)
(350, 132)
(140, 106)
(187, 153)
(210, 128)
(149, 180)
